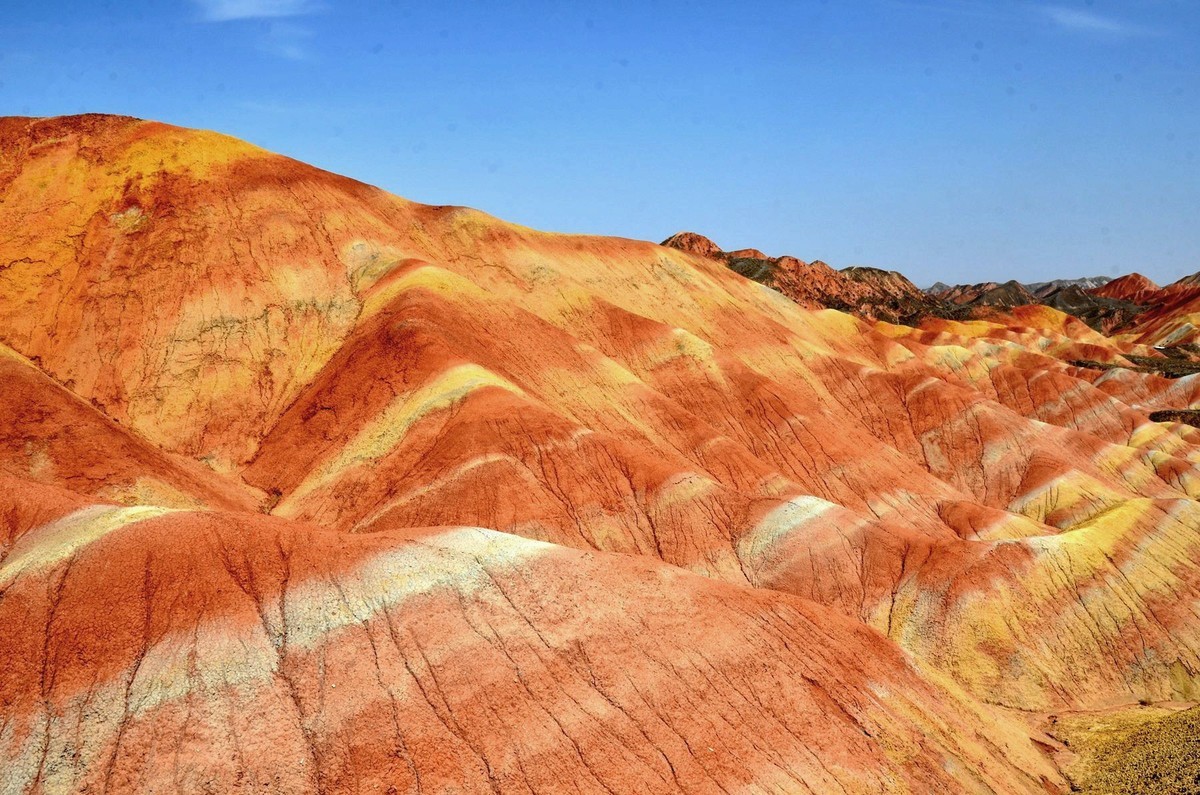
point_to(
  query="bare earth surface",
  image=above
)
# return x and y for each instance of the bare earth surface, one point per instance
(308, 488)
(1142, 750)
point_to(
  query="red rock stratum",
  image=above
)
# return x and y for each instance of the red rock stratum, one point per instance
(310, 488)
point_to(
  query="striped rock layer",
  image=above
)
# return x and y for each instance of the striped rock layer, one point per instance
(310, 488)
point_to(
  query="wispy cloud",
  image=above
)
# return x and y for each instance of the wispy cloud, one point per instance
(275, 108)
(224, 10)
(1073, 20)
(968, 8)
(286, 40)
(277, 36)
(322, 109)
(1080, 21)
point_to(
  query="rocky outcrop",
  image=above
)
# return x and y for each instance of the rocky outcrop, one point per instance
(1188, 416)
(696, 244)
(870, 293)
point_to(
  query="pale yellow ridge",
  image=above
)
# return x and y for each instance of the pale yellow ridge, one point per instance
(57, 541)
(383, 433)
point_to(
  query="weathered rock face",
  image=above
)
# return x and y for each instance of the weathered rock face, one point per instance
(1046, 289)
(266, 655)
(962, 293)
(308, 488)
(870, 293)
(1106, 315)
(1170, 315)
(1006, 295)
(693, 243)
(1131, 306)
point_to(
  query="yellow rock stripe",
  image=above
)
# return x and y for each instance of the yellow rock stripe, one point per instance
(53, 543)
(379, 437)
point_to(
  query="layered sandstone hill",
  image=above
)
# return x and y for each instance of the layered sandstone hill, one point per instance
(1171, 315)
(1133, 287)
(309, 488)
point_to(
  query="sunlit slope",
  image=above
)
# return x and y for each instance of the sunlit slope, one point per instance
(357, 364)
(49, 435)
(270, 656)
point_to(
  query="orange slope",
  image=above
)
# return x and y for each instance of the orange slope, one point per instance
(270, 656)
(253, 326)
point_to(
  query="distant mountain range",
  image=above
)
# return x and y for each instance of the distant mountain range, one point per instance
(1130, 305)
(1037, 289)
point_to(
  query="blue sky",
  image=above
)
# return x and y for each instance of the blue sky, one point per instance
(950, 139)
